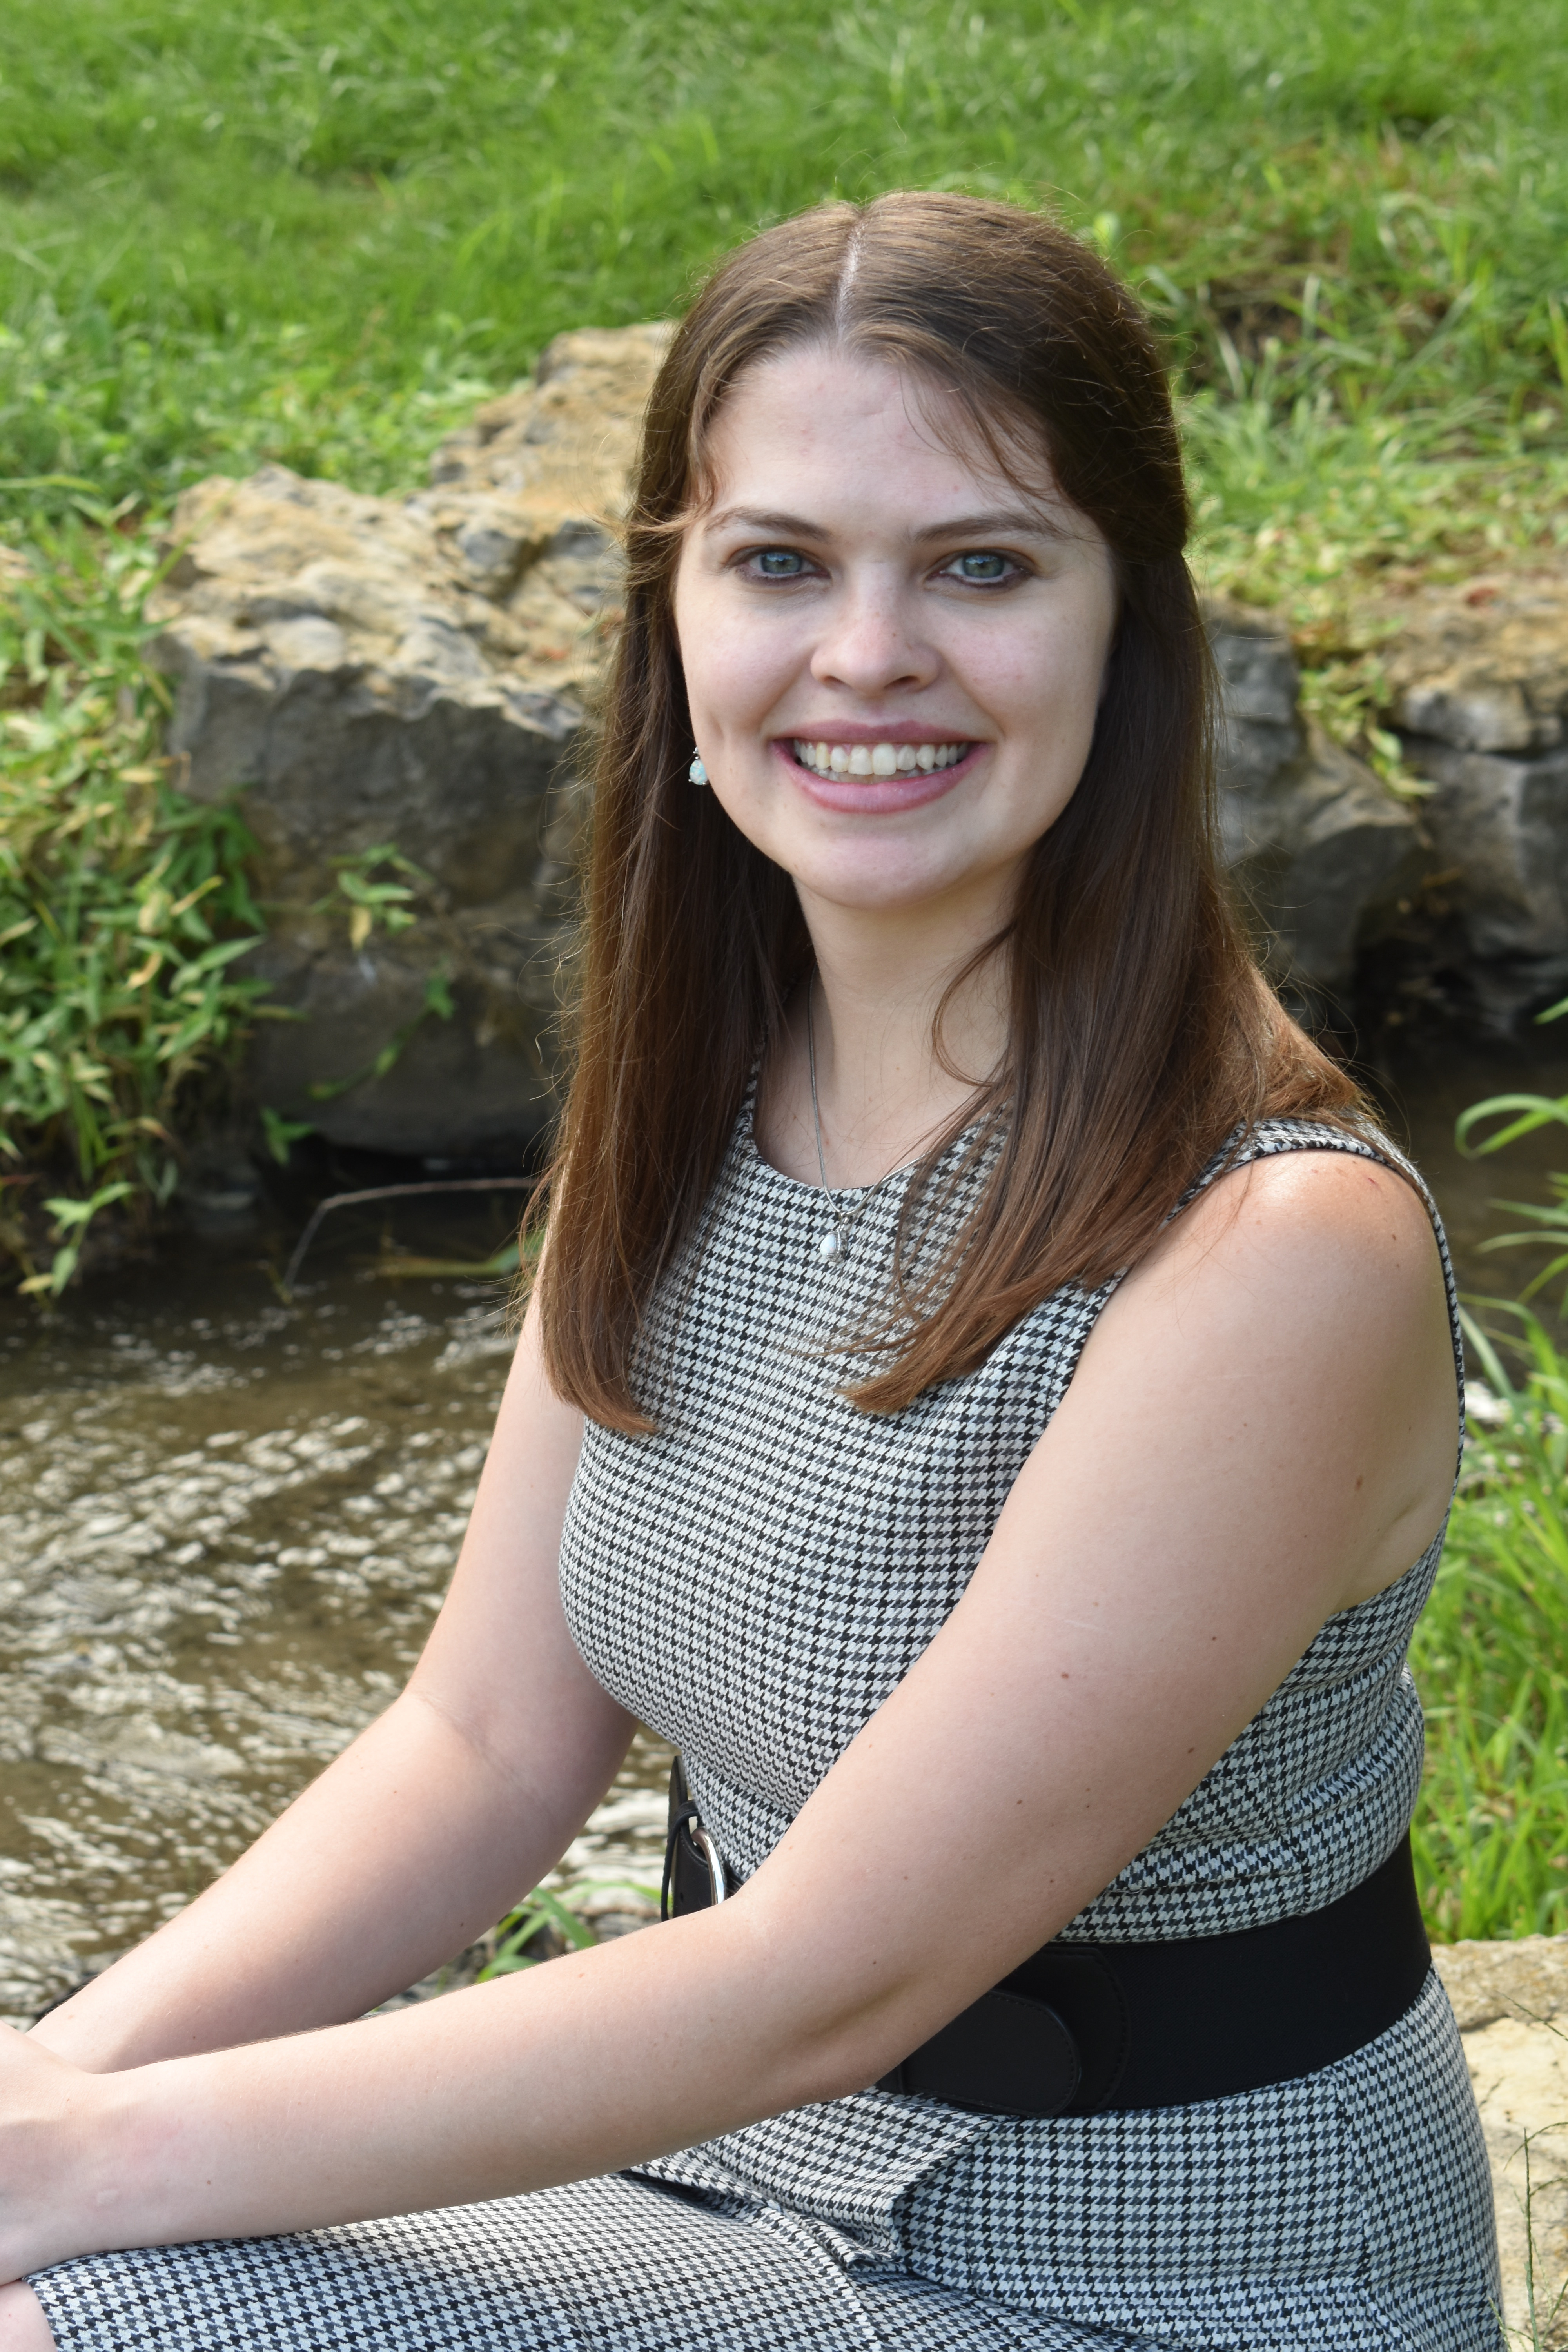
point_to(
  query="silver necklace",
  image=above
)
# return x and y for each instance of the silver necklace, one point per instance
(834, 1246)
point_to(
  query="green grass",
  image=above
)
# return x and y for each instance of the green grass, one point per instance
(1490, 1658)
(316, 232)
(124, 909)
(1491, 1648)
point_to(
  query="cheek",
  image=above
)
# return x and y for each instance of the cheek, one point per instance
(1039, 687)
(1070, 667)
(735, 676)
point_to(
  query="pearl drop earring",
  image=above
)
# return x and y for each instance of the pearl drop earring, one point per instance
(697, 774)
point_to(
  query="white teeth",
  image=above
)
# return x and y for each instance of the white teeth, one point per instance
(878, 759)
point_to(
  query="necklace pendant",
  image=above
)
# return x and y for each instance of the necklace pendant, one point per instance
(831, 1246)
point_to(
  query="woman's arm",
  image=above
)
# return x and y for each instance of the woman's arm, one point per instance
(1261, 1432)
(415, 1839)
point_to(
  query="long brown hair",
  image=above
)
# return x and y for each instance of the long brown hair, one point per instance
(1140, 1033)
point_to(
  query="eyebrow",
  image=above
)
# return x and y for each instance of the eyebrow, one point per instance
(998, 522)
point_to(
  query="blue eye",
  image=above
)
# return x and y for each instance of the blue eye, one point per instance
(983, 568)
(780, 564)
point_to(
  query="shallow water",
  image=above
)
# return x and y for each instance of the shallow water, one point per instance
(226, 1523)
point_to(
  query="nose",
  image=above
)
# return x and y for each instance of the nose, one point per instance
(871, 642)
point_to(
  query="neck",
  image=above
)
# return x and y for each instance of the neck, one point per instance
(882, 1092)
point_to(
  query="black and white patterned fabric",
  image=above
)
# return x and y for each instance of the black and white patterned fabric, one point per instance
(753, 1580)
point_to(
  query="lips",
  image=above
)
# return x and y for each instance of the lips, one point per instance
(879, 777)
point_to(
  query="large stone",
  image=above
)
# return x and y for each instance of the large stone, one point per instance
(365, 672)
(567, 440)
(1478, 678)
(1501, 826)
(1511, 2003)
(1321, 852)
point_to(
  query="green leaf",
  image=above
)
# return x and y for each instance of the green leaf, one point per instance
(72, 1215)
(281, 1134)
(1535, 1111)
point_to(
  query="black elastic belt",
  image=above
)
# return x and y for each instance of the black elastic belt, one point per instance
(1086, 2029)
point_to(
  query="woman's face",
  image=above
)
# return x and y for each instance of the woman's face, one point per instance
(894, 655)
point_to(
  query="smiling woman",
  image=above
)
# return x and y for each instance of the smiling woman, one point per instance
(988, 1401)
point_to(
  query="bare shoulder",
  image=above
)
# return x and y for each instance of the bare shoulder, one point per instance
(1291, 1325)
(1316, 1226)
(1312, 1277)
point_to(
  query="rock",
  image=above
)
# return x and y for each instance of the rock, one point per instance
(1320, 850)
(1259, 683)
(221, 1188)
(1527, 1979)
(1511, 2003)
(1475, 678)
(1478, 677)
(1501, 824)
(1483, 666)
(568, 438)
(367, 672)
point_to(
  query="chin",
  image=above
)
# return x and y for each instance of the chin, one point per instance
(876, 893)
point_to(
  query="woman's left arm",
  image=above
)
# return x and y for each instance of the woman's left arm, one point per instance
(1261, 1432)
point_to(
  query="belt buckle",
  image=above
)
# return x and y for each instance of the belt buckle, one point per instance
(699, 1844)
(713, 1858)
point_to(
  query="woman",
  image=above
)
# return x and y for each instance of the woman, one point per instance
(913, 1015)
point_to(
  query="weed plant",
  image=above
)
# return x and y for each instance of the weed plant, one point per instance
(1491, 1648)
(1492, 1125)
(123, 906)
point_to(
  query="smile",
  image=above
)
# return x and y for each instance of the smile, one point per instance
(878, 759)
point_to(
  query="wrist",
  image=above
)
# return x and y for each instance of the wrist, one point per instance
(121, 2162)
(52, 2149)
(126, 2017)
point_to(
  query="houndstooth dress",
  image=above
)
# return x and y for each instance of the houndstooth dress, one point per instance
(752, 1581)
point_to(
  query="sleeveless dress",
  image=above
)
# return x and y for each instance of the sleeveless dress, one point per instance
(753, 1580)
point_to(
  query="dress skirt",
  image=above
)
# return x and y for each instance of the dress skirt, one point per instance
(1348, 2211)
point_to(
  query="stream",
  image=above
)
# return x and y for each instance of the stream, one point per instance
(226, 1522)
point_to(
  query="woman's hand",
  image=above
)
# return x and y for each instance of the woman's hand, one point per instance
(55, 2192)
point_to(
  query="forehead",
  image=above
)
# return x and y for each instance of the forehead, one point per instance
(862, 426)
